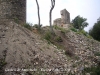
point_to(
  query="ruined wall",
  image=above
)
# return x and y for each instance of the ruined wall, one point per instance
(57, 22)
(13, 10)
(65, 16)
(64, 21)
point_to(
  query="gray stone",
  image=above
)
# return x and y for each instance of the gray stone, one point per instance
(65, 16)
(57, 21)
(64, 21)
(13, 10)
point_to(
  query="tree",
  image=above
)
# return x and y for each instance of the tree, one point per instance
(50, 14)
(95, 31)
(79, 22)
(38, 14)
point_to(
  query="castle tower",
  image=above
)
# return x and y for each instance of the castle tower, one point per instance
(65, 16)
(13, 10)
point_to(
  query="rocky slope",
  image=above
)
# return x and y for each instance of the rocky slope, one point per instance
(23, 52)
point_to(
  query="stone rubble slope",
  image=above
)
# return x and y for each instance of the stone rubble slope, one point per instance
(22, 48)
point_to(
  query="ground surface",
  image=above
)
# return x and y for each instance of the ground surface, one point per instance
(25, 50)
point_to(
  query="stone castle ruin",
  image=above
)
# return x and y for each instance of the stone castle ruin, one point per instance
(64, 21)
(13, 10)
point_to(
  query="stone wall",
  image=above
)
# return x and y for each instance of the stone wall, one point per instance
(64, 21)
(13, 10)
(65, 16)
(57, 22)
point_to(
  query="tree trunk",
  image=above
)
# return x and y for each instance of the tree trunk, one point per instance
(38, 14)
(50, 14)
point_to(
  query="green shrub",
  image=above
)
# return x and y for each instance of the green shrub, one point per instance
(2, 64)
(28, 26)
(55, 26)
(63, 30)
(58, 39)
(95, 30)
(16, 20)
(37, 26)
(83, 32)
(94, 70)
(60, 28)
(97, 53)
(73, 29)
(78, 32)
(47, 36)
(88, 36)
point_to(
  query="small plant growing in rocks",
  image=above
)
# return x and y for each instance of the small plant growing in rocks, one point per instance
(16, 20)
(94, 70)
(58, 39)
(37, 26)
(47, 36)
(73, 29)
(84, 32)
(97, 53)
(60, 28)
(28, 26)
(2, 64)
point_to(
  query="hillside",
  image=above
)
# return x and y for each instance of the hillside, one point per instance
(23, 52)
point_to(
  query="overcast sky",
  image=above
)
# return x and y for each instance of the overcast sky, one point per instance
(89, 9)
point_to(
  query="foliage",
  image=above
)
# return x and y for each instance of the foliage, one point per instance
(58, 39)
(47, 36)
(79, 22)
(2, 64)
(88, 36)
(16, 20)
(97, 53)
(84, 32)
(37, 26)
(95, 31)
(28, 26)
(60, 28)
(81, 32)
(73, 29)
(54, 39)
(94, 70)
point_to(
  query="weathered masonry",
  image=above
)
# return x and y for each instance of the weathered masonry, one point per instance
(13, 10)
(64, 21)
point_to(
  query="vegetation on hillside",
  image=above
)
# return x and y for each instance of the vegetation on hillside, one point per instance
(79, 22)
(28, 26)
(95, 31)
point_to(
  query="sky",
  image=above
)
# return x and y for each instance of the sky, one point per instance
(89, 9)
